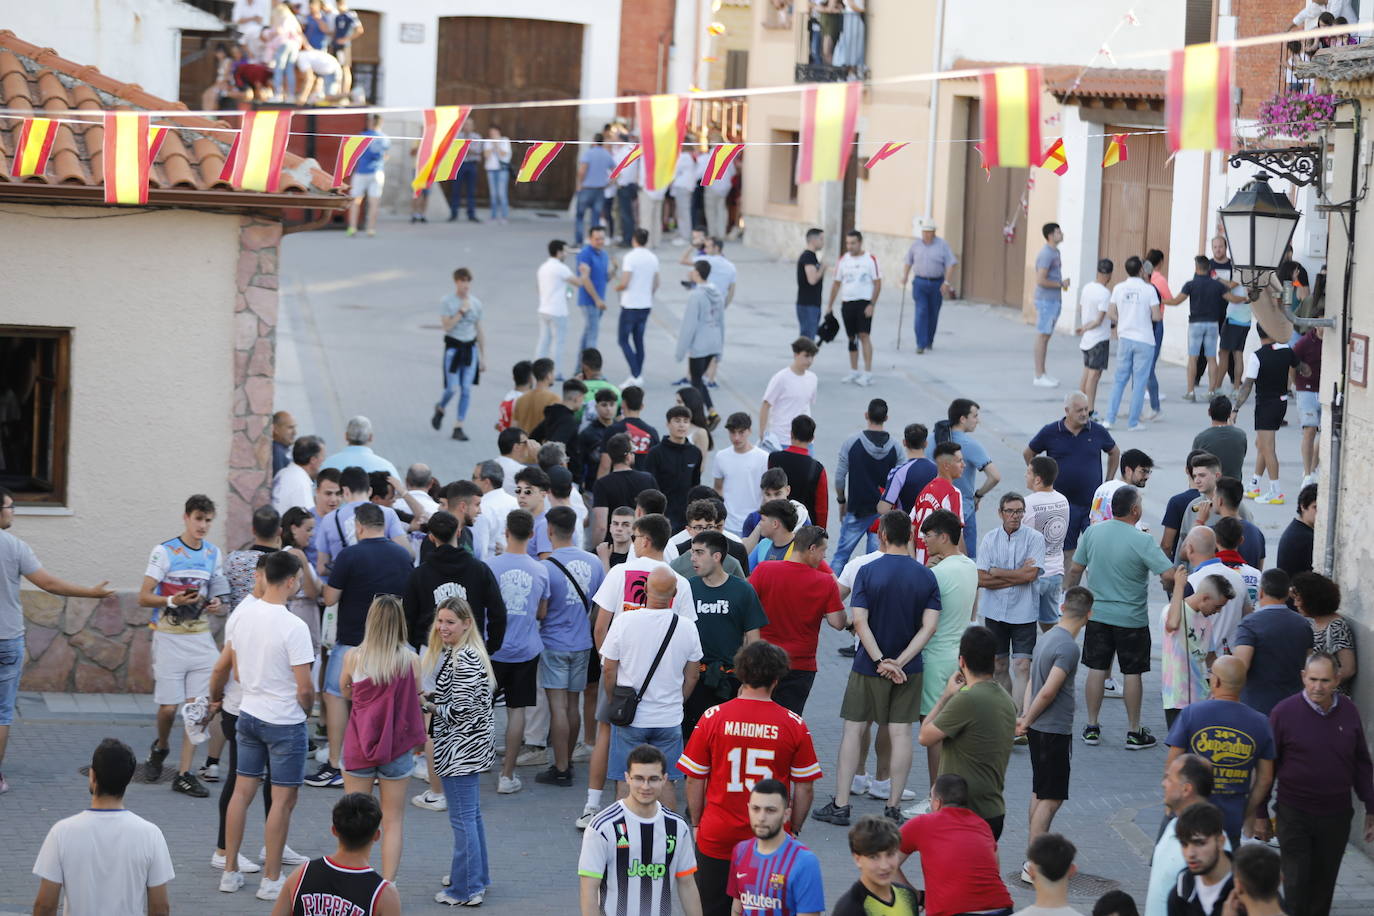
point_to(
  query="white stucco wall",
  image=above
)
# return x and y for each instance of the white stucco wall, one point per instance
(1059, 31)
(150, 296)
(136, 41)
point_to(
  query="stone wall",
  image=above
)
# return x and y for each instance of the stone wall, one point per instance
(86, 645)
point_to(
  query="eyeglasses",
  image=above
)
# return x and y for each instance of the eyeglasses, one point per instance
(646, 780)
(1013, 512)
(7, 507)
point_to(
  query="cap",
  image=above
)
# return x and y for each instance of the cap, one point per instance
(559, 475)
(927, 225)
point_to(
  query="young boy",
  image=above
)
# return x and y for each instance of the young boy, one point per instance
(675, 464)
(1207, 297)
(1096, 331)
(184, 581)
(875, 844)
(1051, 866)
(591, 439)
(596, 383)
(561, 419)
(523, 376)
(738, 471)
(528, 411)
(532, 494)
(344, 881)
(790, 391)
(772, 485)
(618, 549)
(1269, 373)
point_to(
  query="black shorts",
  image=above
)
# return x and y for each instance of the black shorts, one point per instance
(518, 681)
(1095, 357)
(794, 689)
(1014, 639)
(1269, 413)
(855, 321)
(1050, 754)
(1130, 646)
(1233, 336)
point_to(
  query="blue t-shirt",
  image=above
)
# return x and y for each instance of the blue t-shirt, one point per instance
(599, 262)
(600, 164)
(907, 480)
(315, 34)
(344, 23)
(540, 542)
(327, 538)
(896, 591)
(567, 624)
(371, 159)
(1281, 639)
(1079, 457)
(1048, 259)
(524, 582)
(1234, 738)
(786, 881)
(371, 567)
(975, 459)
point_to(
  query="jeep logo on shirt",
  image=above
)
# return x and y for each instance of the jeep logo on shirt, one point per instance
(650, 870)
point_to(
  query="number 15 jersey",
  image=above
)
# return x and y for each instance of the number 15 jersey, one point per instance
(735, 745)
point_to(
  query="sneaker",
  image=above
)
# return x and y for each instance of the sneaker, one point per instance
(269, 889)
(554, 777)
(849, 376)
(865, 380)
(509, 786)
(713, 384)
(152, 767)
(350, 232)
(682, 382)
(1252, 493)
(459, 435)
(1187, 396)
(1149, 413)
(1211, 394)
(860, 783)
(447, 900)
(1271, 499)
(1020, 740)
(187, 784)
(289, 856)
(4, 786)
(1141, 740)
(532, 756)
(833, 814)
(584, 820)
(1112, 689)
(921, 807)
(420, 770)
(1309, 479)
(1092, 735)
(582, 752)
(209, 772)
(430, 801)
(1025, 873)
(328, 777)
(1135, 428)
(230, 881)
(1105, 424)
(881, 790)
(1045, 381)
(629, 380)
(437, 420)
(893, 813)
(371, 233)
(246, 865)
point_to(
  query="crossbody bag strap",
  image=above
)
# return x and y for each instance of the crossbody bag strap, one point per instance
(668, 637)
(581, 594)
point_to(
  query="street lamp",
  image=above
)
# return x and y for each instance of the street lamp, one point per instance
(1258, 224)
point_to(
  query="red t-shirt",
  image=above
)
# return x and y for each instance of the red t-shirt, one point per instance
(735, 745)
(796, 599)
(959, 861)
(938, 494)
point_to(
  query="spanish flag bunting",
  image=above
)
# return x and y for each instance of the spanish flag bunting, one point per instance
(34, 146)
(124, 157)
(1116, 151)
(155, 137)
(828, 116)
(437, 159)
(350, 151)
(1011, 117)
(887, 150)
(630, 159)
(226, 172)
(662, 125)
(1197, 100)
(537, 159)
(983, 162)
(719, 161)
(1055, 156)
(261, 147)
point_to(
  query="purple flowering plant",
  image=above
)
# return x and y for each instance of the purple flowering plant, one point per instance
(1297, 115)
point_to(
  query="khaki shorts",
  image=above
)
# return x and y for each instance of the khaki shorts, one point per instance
(869, 698)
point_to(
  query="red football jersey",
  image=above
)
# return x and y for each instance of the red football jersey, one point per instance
(734, 746)
(938, 494)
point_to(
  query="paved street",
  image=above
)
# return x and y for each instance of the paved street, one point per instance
(359, 333)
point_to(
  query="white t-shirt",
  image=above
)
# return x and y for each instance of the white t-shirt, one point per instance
(511, 467)
(293, 487)
(788, 395)
(489, 529)
(1226, 620)
(851, 569)
(1094, 299)
(856, 275)
(1048, 513)
(1101, 508)
(553, 276)
(642, 266)
(268, 642)
(740, 488)
(615, 597)
(633, 641)
(105, 861)
(1034, 910)
(1134, 298)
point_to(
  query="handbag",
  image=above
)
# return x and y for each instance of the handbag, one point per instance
(625, 700)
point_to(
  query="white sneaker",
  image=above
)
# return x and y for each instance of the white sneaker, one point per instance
(532, 757)
(629, 380)
(1105, 424)
(231, 881)
(584, 820)
(1044, 381)
(1310, 478)
(1150, 414)
(859, 784)
(246, 865)
(209, 772)
(582, 752)
(420, 770)
(1025, 873)
(269, 889)
(289, 856)
(921, 807)
(430, 801)
(639, 380)
(850, 376)
(881, 790)
(1112, 689)
(865, 380)
(510, 786)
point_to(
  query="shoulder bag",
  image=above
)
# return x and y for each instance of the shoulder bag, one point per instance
(625, 700)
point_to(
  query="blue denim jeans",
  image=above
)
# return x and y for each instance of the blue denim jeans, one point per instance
(498, 190)
(589, 200)
(1152, 387)
(553, 331)
(11, 667)
(625, 198)
(284, 746)
(284, 69)
(852, 529)
(464, 185)
(926, 294)
(808, 320)
(1133, 360)
(970, 534)
(631, 337)
(591, 328)
(459, 381)
(469, 874)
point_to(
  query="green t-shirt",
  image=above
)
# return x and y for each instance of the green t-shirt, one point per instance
(1120, 559)
(979, 723)
(724, 614)
(958, 579)
(589, 402)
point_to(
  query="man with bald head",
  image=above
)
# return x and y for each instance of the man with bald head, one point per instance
(1077, 444)
(1200, 552)
(283, 437)
(1236, 739)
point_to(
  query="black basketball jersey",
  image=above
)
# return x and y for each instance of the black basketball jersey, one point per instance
(327, 887)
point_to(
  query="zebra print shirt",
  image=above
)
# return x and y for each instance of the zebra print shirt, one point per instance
(463, 723)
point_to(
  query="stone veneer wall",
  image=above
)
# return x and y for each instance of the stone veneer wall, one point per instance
(105, 646)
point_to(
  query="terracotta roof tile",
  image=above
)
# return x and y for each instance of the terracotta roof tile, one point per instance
(1095, 82)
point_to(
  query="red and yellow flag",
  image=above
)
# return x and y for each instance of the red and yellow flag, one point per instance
(226, 172)
(983, 162)
(261, 147)
(537, 159)
(719, 161)
(662, 125)
(886, 150)
(828, 116)
(630, 159)
(350, 151)
(1011, 117)
(34, 146)
(124, 157)
(1055, 157)
(1116, 151)
(1197, 100)
(440, 154)
(155, 137)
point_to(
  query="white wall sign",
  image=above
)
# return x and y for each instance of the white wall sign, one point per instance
(413, 33)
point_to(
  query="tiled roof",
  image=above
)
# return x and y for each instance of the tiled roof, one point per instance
(1096, 82)
(1339, 64)
(187, 168)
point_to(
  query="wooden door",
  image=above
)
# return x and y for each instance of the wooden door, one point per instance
(1137, 200)
(483, 59)
(993, 270)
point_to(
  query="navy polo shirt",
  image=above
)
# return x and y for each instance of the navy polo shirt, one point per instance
(1079, 458)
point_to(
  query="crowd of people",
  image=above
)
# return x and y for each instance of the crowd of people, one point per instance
(294, 53)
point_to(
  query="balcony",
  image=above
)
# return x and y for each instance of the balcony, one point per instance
(832, 43)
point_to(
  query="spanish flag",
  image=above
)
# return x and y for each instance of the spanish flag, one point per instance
(155, 137)
(33, 147)
(1116, 151)
(662, 125)
(1197, 100)
(630, 159)
(350, 151)
(983, 162)
(226, 171)
(719, 161)
(537, 159)
(1055, 155)
(124, 157)
(1011, 117)
(886, 150)
(261, 146)
(828, 115)
(437, 159)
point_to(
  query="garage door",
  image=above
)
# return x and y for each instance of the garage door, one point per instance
(1137, 199)
(993, 271)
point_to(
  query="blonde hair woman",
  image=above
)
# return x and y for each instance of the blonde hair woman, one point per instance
(462, 726)
(381, 676)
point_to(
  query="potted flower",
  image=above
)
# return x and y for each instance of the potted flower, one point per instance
(1297, 115)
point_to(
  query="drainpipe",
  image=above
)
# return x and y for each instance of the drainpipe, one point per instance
(937, 61)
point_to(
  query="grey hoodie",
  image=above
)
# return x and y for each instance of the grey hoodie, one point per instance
(703, 323)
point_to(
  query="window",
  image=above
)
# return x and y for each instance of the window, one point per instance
(1197, 22)
(782, 167)
(736, 69)
(35, 394)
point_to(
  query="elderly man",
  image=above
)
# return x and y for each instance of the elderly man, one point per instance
(489, 529)
(294, 485)
(1010, 560)
(1077, 444)
(1187, 782)
(931, 259)
(283, 435)
(359, 451)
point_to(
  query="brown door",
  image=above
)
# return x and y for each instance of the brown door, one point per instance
(993, 271)
(1137, 199)
(483, 59)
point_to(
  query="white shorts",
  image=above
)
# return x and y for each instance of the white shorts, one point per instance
(181, 666)
(368, 184)
(1309, 409)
